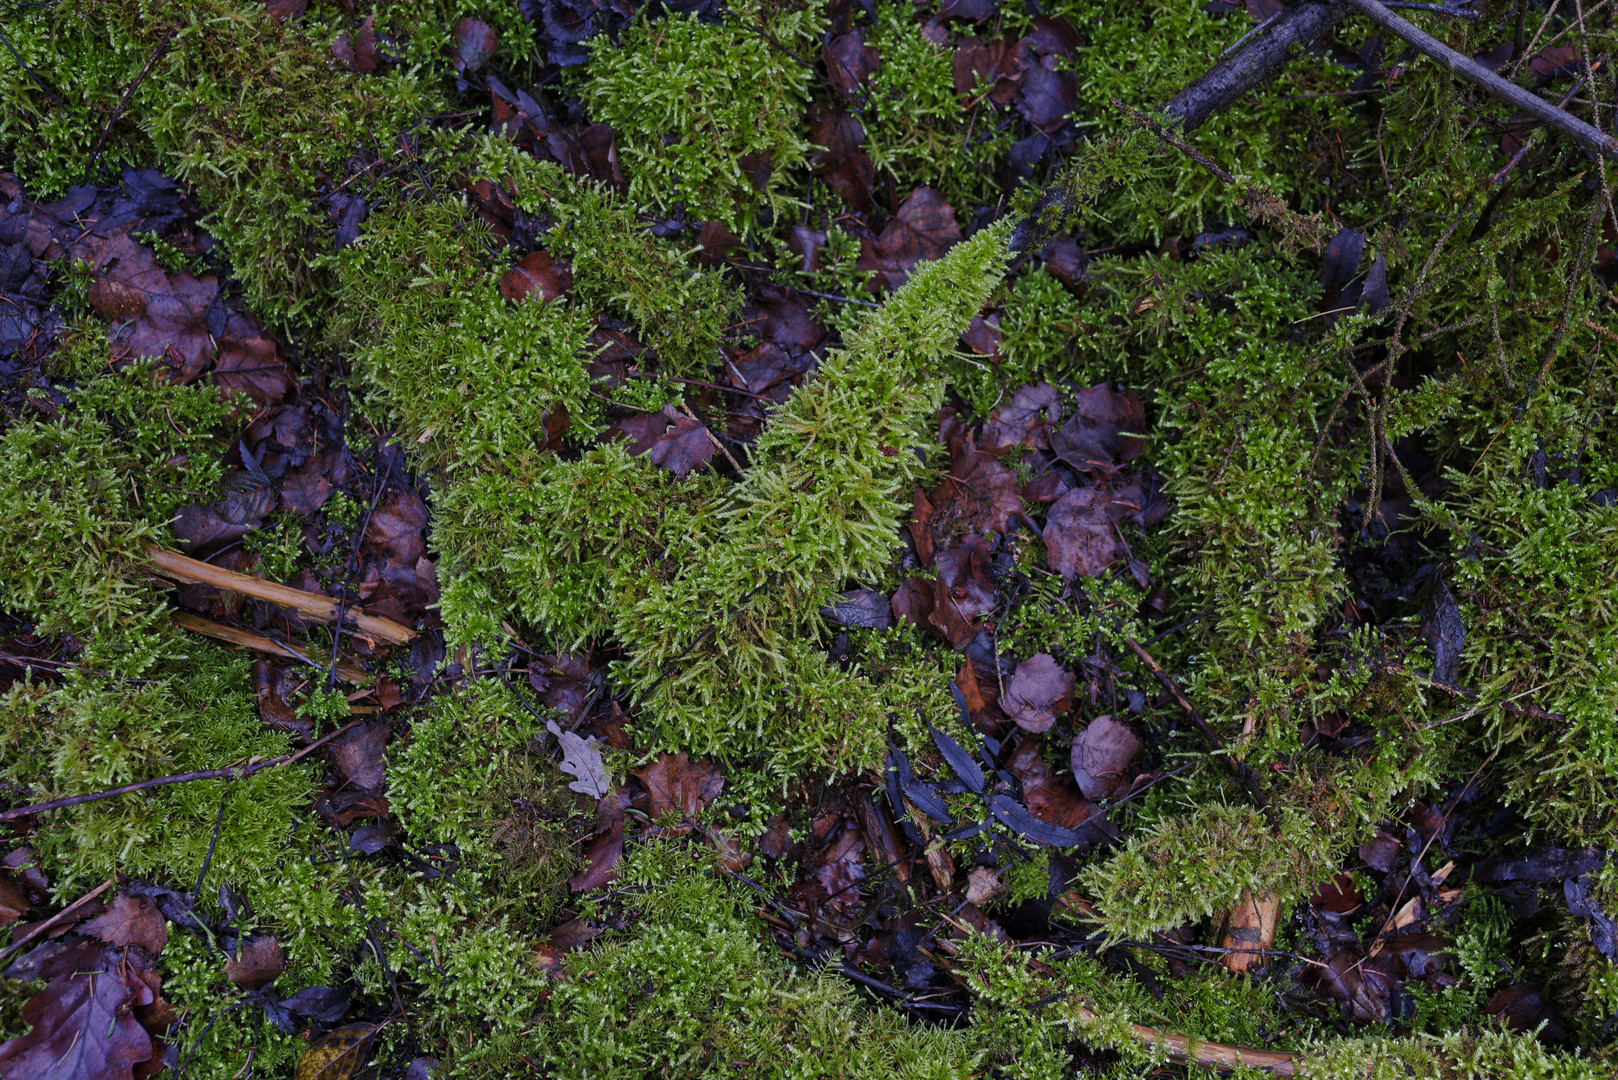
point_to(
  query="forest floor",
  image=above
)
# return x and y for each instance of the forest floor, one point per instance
(577, 538)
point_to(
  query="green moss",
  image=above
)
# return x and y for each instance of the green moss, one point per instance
(690, 100)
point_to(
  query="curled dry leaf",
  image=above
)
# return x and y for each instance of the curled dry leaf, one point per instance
(982, 885)
(1101, 753)
(336, 1055)
(1250, 930)
(1040, 690)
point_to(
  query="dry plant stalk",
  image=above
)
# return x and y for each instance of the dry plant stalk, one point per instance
(172, 564)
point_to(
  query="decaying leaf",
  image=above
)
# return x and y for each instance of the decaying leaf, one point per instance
(1101, 752)
(336, 1055)
(257, 963)
(982, 885)
(679, 785)
(358, 755)
(130, 920)
(1040, 690)
(82, 1024)
(581, 758)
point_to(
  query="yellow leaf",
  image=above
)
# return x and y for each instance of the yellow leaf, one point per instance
(337, 1055)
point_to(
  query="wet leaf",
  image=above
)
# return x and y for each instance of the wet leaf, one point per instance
(1446, 633)
(537, 274)
(1046, 98)
(1067, 263)
(395, 532)
(995, 66)
(679, 785)
(1338, 895)
(562, 682)
(963, 591)
(1101, 753)
(849, 62)
(257, 963)
(1603, 929)
(1023, 421)
(1039, 691)
(1540, 865)
(581, 758)
(1523, 1008)
(1050, 797)
(1080, 537)
(672, 441)
(337, 1055)
(14, 900)
(82, 1025)
(923, 229)
(130, 920)
(475, 43)
(358, 755)
(1017, 817)
(839, 162)
(1094, 439)
(862, 608)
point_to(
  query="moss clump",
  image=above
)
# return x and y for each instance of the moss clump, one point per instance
(703, 110)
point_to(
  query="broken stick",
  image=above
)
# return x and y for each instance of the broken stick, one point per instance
(1243, 774)
(310, 605)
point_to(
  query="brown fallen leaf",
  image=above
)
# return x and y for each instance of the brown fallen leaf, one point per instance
(81, 1026)
(14, 901)
(963, 593)
(257, 963)
(1050, 797)
(982, 885)
(673, 442)
(923, 229)
(1024, 421)
(1039, 691)
(536, 274)
(475, 42)
(1094, 440)
(130, 920)
(1080, 537)
(679, 785)
(1100, 754)
(849, 62)
(839, 162)
(358, 754)
(995, 66)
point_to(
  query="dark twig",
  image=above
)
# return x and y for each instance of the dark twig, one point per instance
(229, 772)
(213, 842)
(1243, 774)
(1591, 138)
(56, 920)
(95, 152)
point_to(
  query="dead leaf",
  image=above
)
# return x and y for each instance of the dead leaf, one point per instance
(130, 920)
(581, 758)
(562, 682)
(849, 62)
(81, 1024)
(395, 532)
(963, 593)
(1039, 691)
(257, 963)
(1100, 754)
(1045, 98)
(838, 161)
(923, 229)
(14, 901)
(717, 242)
(1050, 797)
(1094, 439)
(1080, 538)
(1067, 263)
(536, 274)
(358, 755)
(982, 885)
(862, 608)
(1250, 931)
(1024, 421)
(606, 847)
(679, 785)
(336, 1055)
(475, 42)
(995, 65)
(1339, 894)
(672, 441)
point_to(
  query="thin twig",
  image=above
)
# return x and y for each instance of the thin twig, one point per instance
(162, 47)
(1591, 138)
(1243, 774)
(55, 920)
(230, 772)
